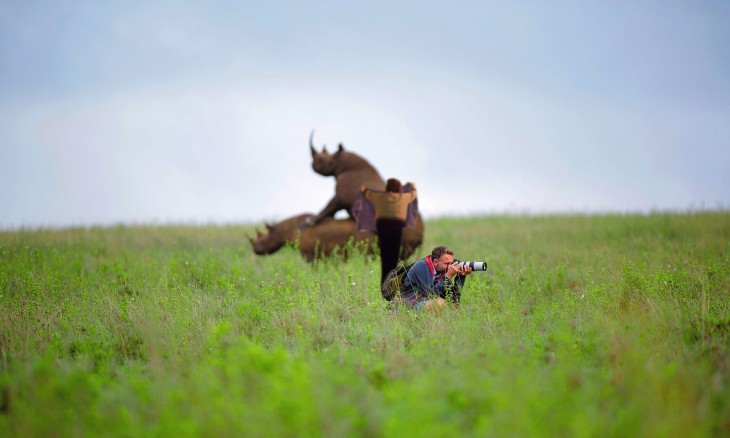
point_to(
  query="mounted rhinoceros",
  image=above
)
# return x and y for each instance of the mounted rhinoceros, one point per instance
(351, 171)
(327, 237)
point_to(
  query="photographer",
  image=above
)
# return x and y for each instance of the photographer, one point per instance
(434, 279)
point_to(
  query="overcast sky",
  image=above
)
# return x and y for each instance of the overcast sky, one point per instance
(174, 112)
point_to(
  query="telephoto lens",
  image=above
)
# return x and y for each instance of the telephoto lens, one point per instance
(475, 266)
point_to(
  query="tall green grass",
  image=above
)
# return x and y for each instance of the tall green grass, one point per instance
(606, 325)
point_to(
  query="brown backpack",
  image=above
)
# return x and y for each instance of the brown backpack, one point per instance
(393, 284)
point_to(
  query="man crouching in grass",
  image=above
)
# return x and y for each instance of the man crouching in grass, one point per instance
(434, 279)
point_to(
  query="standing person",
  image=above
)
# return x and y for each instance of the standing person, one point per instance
(434, 279)
(391, 212)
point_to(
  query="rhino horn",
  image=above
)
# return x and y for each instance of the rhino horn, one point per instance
(311, 143)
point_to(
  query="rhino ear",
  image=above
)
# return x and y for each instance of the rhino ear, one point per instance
(340, 149)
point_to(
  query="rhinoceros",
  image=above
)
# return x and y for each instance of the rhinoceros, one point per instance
(327, 237)
(351, 171)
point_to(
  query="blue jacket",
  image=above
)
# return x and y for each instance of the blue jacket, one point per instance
(422, 280)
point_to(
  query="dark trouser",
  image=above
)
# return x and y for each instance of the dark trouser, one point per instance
(390, 232)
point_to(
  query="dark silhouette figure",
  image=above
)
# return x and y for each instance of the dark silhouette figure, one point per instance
(391, 211)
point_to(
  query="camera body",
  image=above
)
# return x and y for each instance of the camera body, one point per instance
(475, 266)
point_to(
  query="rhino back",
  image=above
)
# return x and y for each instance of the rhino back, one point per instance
(323, 239)
(348, 185)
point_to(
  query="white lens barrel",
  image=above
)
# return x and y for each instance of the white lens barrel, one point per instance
(475, 266)
(478, 266)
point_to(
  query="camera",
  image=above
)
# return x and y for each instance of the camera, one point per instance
(475, 266)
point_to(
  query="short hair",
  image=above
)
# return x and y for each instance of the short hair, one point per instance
(392, 185)
(441, 250)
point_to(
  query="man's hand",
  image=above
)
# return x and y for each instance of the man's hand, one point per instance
(466, 271)
(455, 268)
(452, 270)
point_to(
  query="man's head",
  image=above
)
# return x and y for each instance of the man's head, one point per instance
(393, 185)
(442, 257)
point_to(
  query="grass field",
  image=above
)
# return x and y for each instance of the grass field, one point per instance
(612, 325)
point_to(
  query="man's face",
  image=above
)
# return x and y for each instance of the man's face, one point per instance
(442, 263)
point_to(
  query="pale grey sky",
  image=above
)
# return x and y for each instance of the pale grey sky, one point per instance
(192, 113)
